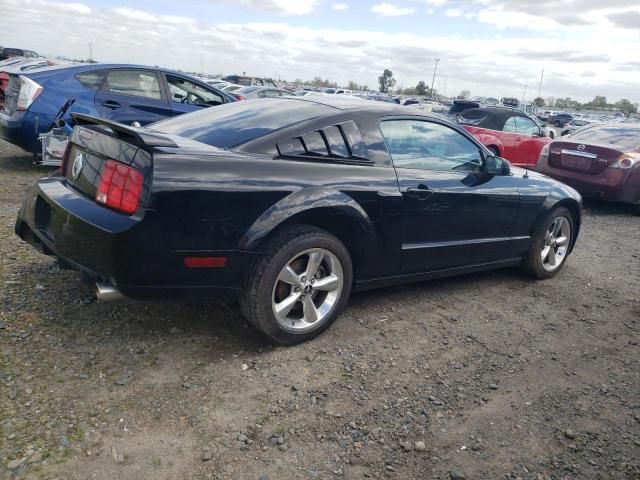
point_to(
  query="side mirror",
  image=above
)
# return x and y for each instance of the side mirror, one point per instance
(497, 166)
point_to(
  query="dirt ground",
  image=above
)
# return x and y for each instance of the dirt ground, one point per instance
(486, 376)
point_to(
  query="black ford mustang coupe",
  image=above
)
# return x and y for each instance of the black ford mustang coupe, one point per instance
(289, 204)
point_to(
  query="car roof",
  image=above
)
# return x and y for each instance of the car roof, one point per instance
(83, 67)
(353, 103)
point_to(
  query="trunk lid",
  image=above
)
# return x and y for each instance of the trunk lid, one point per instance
(89, 150)
(580, 157)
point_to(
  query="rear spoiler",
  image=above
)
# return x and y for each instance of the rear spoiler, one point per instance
(141, 137)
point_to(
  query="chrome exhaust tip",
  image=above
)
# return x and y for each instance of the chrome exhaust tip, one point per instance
(106, 292)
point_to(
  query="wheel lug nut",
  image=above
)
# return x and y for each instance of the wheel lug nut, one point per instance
(304, 279)
(297, 289)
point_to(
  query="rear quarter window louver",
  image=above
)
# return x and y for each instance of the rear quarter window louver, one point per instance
(341, 143)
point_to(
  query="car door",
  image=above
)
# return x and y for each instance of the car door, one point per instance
(132, 95)
(530, 140)
(455, 214)
(187, 96)
(512, 141)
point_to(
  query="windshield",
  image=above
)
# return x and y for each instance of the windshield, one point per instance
(236, 123)
(626, 138)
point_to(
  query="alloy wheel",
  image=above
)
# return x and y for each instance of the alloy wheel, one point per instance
(307, 289)
(556, 243)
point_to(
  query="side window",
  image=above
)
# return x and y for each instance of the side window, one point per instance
(525, 126)
(429, 146)
(258, 81)
(134, 82)
(91, 80)
(510, 125)
(184, 91)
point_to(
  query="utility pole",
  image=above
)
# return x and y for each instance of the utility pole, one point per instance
(540, 87)
(524, 93)
(90, 51)
(434, 75)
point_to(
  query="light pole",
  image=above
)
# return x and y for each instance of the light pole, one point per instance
(540, 86)
(524, 93)
(434, 76)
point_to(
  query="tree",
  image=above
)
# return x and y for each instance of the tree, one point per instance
(421, 88)
(386, 81)
(551, 102)
(626, 107)
(353, 85)
(599, 102)
(539, 102)
(464, 94)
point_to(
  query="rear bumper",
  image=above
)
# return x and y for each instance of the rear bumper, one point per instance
(613, 185)
(128, 252)
(14, 129)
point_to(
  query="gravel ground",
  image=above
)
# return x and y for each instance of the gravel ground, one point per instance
(483, 376)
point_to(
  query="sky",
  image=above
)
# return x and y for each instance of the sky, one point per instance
(490, 47)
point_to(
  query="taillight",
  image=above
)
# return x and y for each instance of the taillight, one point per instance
(240, 97)
(120, 187)
(65, 159)
(544, 153)
(29, 91)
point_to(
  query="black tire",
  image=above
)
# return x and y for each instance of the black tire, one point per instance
(495, 150)
(257, 295)
(532, 263)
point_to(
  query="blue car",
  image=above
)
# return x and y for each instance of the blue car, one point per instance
(121, 93)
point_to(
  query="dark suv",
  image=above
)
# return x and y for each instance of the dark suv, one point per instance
(6, 53)
(560, 119)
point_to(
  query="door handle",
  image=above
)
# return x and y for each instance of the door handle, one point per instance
(421, 192)
(111, 104)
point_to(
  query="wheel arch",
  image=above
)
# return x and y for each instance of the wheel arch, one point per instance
(572, 205)
(331, 210)
(491, 141)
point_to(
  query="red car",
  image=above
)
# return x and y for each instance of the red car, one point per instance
(598, 160)
(509, 133)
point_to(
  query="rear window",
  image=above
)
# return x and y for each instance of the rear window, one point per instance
(12, 51)
(472, 117)
(236, 123)
(621, 137)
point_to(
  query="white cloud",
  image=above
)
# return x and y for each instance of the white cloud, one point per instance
(390, 10)
(281, 7)
(453, 12)
(596, 59)
(339, 6)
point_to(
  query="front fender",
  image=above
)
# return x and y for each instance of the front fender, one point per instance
(301, 202)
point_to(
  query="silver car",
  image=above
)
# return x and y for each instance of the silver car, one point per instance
(250, 93)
